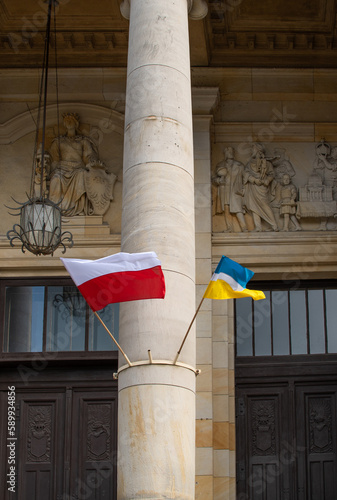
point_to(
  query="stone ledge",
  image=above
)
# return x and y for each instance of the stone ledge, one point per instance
(87, 226)
(305, 255)
(14, 263)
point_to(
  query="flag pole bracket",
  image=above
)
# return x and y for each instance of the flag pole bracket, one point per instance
(157, 362)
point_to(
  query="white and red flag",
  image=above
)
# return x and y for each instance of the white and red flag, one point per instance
(117, 278)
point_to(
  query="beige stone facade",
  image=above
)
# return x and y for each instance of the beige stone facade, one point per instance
(289, 108)
(271, 255)
(269, 106)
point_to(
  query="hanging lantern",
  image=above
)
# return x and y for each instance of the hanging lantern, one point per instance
(40, 228)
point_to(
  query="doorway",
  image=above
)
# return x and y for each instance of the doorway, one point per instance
(286, 431)
(64, 438)
(286, 393)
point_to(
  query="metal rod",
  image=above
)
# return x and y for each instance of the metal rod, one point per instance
(113, 338)
(188, 331)
(46, 62)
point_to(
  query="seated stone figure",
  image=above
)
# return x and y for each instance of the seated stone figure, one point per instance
(79, 181)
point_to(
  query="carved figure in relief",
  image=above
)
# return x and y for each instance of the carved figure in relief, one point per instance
(265, 185)
(320, 163)
(317, 199)
(326, 165)
(79, 181)
(258, 178)
(281, 164)
(288, 194)
(229, 181)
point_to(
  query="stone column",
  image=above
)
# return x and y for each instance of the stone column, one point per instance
(156, 422)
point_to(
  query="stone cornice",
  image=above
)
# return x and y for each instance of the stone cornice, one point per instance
(274, 41)
(284, 255)
(74, 48)
(14, 263)
(247, 132)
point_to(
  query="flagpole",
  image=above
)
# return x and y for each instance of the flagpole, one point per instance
(188, 331)
(113, 338)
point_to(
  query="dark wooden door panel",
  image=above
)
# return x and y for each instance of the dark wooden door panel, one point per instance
(94, 444)
(316, 438)
(262, 443)
(263, 420)
(66, 430)
(286, 439)
(39, 445)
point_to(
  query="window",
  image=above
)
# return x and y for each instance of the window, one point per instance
(51, 315)
(298, 320)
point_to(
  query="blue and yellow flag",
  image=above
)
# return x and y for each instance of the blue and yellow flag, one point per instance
(229, 281)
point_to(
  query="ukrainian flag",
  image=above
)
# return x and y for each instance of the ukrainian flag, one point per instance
(229, 281)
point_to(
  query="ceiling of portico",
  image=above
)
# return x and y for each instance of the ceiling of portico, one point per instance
(249, 33)
(273, 33)
(89, 33)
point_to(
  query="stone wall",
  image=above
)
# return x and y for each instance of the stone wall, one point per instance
(289, 110)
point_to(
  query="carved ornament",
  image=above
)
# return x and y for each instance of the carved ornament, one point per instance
(99, 432)
(320, 425)
(39, 434)
(263, 428)
(261, 195)
(76, 179)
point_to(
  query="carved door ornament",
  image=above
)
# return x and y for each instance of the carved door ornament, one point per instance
(320, 421)
(99, 431)
(263, 427)
(39, 434)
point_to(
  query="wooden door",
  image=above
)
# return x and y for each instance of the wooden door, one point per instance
(263, 445)
(94, 445)
(286, 437)
(316, 442)
(65, 438)
(38, 446)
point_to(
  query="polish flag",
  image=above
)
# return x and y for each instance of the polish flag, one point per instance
(117, 278)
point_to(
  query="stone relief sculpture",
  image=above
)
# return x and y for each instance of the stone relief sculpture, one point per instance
(288, 204)
(281, 164)
(79, 181)
(326, 165)
(262, 195)
(229, 182)
(320, 163)
(257, 179)
(317, 199)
